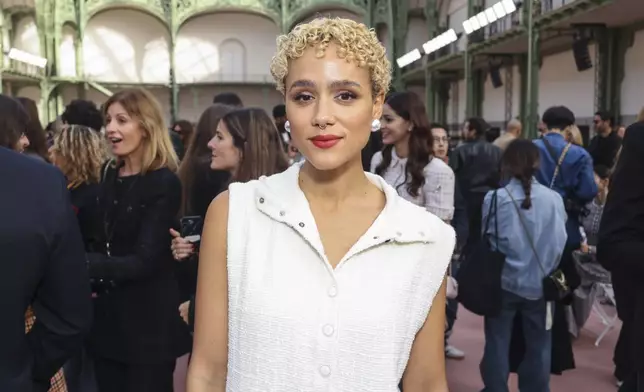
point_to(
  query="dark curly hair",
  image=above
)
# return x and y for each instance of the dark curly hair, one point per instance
(83, 112)
(410, 107)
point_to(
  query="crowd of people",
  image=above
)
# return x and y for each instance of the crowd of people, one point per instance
(325, 247)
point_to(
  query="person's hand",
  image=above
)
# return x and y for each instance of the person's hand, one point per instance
(584, 248)
(181, 248)
(183, 311)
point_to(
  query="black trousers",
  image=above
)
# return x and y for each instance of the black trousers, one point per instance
(112, 376)
(623, 356)
(633, 383)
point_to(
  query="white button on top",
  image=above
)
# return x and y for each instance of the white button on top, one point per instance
(333, 291)
(328, 330)
(325, 371)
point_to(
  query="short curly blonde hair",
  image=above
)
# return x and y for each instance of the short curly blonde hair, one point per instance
(356, 43)
(80, 152)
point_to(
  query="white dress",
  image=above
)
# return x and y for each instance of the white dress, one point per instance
(298, 325)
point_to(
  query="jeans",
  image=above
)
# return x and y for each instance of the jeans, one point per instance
(451, 307)
(534, 371)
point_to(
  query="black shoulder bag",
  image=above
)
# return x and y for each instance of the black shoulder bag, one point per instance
(479, 278)
(555, 286)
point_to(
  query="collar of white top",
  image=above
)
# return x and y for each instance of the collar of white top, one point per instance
(280, 197)
(395, 159)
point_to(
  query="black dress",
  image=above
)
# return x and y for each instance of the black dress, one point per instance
(137, 333)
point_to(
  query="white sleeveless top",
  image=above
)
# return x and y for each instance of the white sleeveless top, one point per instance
(298, 325)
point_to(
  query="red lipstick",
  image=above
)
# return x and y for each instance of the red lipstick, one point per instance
(325, 141)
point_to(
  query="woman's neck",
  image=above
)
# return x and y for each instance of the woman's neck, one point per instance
(332, 187)
(402, 148)
(131, 165)
(601, 197)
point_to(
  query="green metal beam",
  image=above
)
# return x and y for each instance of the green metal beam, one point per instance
(431, 19)
(531, 75)
(100, 88)
(3, 33)
(541, 22)
(468, 59)
(174, 87)
(613, 45)
(398, 19)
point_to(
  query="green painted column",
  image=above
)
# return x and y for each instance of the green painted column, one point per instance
(613, 47)
(43, 106)
(174, 87)
(81, 22)
(3, 35)
(431, 18)
(531, 75)
(478, 92)
(368, 15)
(430, 95)
(468, 69)
(398, 19)
(442, 100)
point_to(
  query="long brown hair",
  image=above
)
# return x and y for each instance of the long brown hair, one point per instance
(143, 107)
(13, 122)
(198, 155)
(521, 160)
(35, 132)
(187, 131)
(256, 136)
(409, 106)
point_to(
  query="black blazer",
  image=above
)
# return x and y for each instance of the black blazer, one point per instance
(137, 319)
(43, 265)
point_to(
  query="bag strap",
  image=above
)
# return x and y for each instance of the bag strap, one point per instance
(106, 168)
(492, 210)
(554, 157)
(527, 233)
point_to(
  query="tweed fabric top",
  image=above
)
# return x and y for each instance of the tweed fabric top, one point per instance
(298, 325)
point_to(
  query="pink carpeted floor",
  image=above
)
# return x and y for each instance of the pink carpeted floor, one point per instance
(594, 370)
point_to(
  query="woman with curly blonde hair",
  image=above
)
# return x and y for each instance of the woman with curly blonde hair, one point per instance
(80, 152)
(321, 277)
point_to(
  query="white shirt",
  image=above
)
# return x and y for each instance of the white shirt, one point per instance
(298, 325)
(436, 195)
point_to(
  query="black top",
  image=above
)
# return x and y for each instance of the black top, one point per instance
(137, 319)
(603, 150)
(84, 198)
(43, 265)
(207, 184)
(621, 231)
(477, 166)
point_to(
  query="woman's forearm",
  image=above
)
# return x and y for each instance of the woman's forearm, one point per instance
(210, 382)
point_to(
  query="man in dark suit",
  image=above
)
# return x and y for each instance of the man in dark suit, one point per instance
(43, 266)
(620, 248)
